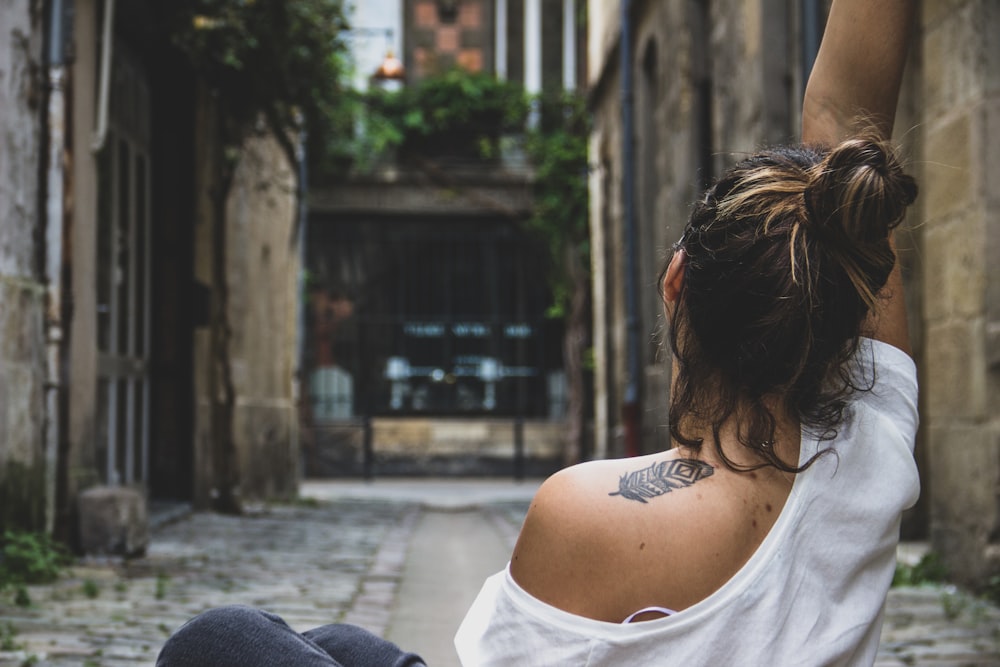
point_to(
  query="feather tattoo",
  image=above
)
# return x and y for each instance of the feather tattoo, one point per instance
(660, 478)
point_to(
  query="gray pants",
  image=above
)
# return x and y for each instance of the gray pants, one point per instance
(238, 636)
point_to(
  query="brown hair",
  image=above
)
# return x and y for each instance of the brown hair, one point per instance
(786, 255)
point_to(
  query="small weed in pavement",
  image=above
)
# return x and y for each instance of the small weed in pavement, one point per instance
(928, 570)
(30, 558)
(90, 588)
(161, 585)
(21, 597)
(7, 635)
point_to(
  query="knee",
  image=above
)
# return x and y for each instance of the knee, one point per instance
(211, 631)
(229, 617)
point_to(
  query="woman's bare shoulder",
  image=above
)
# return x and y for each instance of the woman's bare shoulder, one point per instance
(564, 541)
(567, 517)
(597, 537)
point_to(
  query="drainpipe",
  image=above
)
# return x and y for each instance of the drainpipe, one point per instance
(630, 405)
(107, 40)
(56, 225)
(300, 392)
(810, 36)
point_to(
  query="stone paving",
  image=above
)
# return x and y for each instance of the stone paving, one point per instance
(310, 564)
(341, 560)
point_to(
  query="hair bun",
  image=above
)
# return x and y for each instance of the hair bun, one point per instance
(859, 192)
(856, 195)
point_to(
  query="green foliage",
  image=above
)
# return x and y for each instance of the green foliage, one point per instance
(463, 115)
(30, 558)
(90, 588)
(558, 148)
(280, 60)
(275, 59)
(7, 637)
(162, 580)
(928, 570)
(454, 114)
(992, 590)
(21, 596)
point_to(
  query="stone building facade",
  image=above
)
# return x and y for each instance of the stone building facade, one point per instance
(712, 81)
(23, 474)
(428, 346)
(107, 265)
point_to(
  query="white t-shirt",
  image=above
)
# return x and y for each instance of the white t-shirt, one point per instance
(812, 594)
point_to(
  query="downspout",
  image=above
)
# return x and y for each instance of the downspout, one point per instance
(810, 36)
(56, 229)
(107, 40)
(300, 385)
(631, 421)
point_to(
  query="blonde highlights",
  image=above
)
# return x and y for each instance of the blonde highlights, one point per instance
(786, 255)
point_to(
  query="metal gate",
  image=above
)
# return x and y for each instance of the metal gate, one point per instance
(428, 317)
(123, 277)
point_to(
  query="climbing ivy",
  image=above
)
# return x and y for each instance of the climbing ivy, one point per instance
(557, 148)
(464, 115)
(456, 114)
(280, 61)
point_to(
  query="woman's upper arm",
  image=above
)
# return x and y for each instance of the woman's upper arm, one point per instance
(887, 322)
(544, 555)
(562, 551)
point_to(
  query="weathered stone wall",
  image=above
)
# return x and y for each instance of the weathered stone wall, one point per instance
(261, 275)
(436, 446)
(668, 69)
(22, 296)
(708, 86)
(607, 253)
(263, 270)
(959, 131)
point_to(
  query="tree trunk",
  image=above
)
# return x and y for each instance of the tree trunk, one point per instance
(225, 457)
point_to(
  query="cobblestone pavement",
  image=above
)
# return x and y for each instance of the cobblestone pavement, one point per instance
(342, 561)
(939, 626)
(310, 564)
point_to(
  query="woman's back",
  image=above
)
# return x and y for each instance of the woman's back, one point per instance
(634, 544)
(809, 589)
(770, 529)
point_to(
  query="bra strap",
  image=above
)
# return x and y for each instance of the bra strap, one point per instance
(658, 610)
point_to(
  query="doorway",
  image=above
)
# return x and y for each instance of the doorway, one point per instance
(123, 278)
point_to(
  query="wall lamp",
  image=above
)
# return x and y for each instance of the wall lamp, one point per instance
(391, 69)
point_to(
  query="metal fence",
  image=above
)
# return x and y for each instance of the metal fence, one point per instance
(429, 317)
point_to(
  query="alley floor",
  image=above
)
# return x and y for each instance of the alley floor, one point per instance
(401, 558)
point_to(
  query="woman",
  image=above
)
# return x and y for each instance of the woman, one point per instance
(767, 536)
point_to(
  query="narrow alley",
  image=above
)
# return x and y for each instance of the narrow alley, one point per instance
(402, 558)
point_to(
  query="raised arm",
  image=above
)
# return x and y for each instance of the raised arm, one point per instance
(857, 76)
(858, 69)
